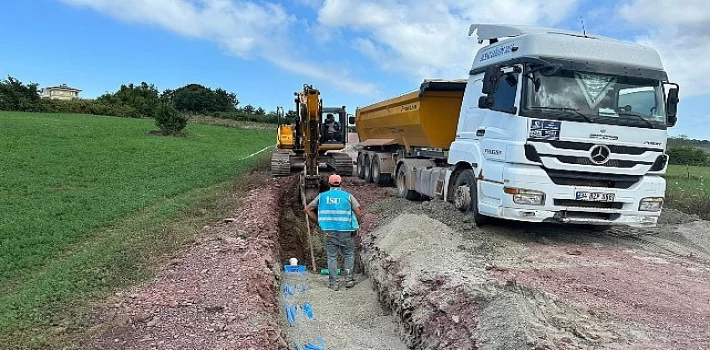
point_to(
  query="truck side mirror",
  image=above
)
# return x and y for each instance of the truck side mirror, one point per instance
(351, 119)
(490, 79)
(672, 106)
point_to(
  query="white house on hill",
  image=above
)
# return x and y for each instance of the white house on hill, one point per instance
(60, 92)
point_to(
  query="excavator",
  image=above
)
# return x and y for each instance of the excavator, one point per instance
(305, 145)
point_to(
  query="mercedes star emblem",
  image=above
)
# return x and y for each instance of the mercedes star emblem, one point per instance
(599, 154)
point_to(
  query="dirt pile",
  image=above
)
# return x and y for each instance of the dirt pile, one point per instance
(221, 294)
(541, 286)
(440, 285)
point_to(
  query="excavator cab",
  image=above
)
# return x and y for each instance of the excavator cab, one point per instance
(334, 128)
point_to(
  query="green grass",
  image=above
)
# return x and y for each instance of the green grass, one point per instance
(87, 202)
(688, 189)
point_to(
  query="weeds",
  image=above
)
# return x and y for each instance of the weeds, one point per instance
(688, 189)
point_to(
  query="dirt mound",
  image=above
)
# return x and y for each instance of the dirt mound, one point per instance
(440, 284)
(221, 294)
(673, 216)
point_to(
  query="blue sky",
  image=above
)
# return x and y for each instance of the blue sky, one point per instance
(355, 52)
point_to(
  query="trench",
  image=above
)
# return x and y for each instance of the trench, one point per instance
(313, 314)
(293, 232)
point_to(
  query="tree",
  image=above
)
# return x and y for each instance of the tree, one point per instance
(248, 109)
(225, 101)
(169, 120)
(143, 98)
(168, 95)
(196, 98)
(260, 111)
(290, 116)
(16, 96)
(687, 155)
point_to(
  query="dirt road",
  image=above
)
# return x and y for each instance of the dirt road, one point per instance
(443, 283)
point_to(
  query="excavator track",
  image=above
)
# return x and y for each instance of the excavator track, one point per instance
(280, 164)
(342, 163)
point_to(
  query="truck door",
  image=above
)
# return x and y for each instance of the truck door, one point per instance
(470, 116)
(500, 126)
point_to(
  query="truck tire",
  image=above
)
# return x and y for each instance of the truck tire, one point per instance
(377, 176)
(367, 168)
(402, 190)
(361, 165)
(466, 196)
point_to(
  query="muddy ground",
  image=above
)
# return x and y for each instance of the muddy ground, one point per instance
(442, 282)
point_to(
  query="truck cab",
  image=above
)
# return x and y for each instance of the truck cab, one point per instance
(559, 126)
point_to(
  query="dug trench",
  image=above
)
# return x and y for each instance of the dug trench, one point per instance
(350, 318)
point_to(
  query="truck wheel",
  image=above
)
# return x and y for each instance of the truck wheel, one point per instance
(361, 165)
(466, 196)
(367, 168)
(402, 190)
(377, 176)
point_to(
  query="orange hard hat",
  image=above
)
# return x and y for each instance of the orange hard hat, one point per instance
(334, 179)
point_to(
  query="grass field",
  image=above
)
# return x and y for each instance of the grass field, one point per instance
(88, 201)
(688, 189)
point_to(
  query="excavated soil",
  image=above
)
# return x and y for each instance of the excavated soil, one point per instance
(522, 286)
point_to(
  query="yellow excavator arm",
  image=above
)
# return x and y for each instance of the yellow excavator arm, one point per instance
(303, 145)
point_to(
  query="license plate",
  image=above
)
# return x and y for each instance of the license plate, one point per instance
(595, 196)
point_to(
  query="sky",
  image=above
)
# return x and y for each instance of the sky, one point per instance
(355, 52)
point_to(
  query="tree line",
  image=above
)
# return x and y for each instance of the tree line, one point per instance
(140, 101)
(685, 151)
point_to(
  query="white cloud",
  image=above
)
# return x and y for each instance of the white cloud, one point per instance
(679, 31)
(244, 28)
(429, 39)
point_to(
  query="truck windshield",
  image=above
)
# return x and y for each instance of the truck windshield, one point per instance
(596, 98)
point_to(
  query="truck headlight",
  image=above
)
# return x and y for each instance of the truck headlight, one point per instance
(651, 204)
(529, 197)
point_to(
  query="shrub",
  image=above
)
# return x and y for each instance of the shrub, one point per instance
(169, 120)
(687, 155)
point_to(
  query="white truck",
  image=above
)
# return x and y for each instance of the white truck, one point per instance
(550, 126)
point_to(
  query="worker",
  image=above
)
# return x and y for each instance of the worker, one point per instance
(338, 216)
(329, 126)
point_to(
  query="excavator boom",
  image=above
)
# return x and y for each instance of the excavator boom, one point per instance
(303, 145)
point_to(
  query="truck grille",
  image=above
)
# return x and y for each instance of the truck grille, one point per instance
(574, 178)
(583, 146)
(586, 204)
(612, 163)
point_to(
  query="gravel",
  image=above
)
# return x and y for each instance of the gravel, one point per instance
(344, 319)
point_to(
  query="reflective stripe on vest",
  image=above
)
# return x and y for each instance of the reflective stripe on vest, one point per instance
(334, 211)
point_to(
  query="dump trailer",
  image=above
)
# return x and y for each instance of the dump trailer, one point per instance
(550, 126)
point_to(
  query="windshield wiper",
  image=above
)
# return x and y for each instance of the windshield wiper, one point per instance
(639, 116)
(566, 109)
